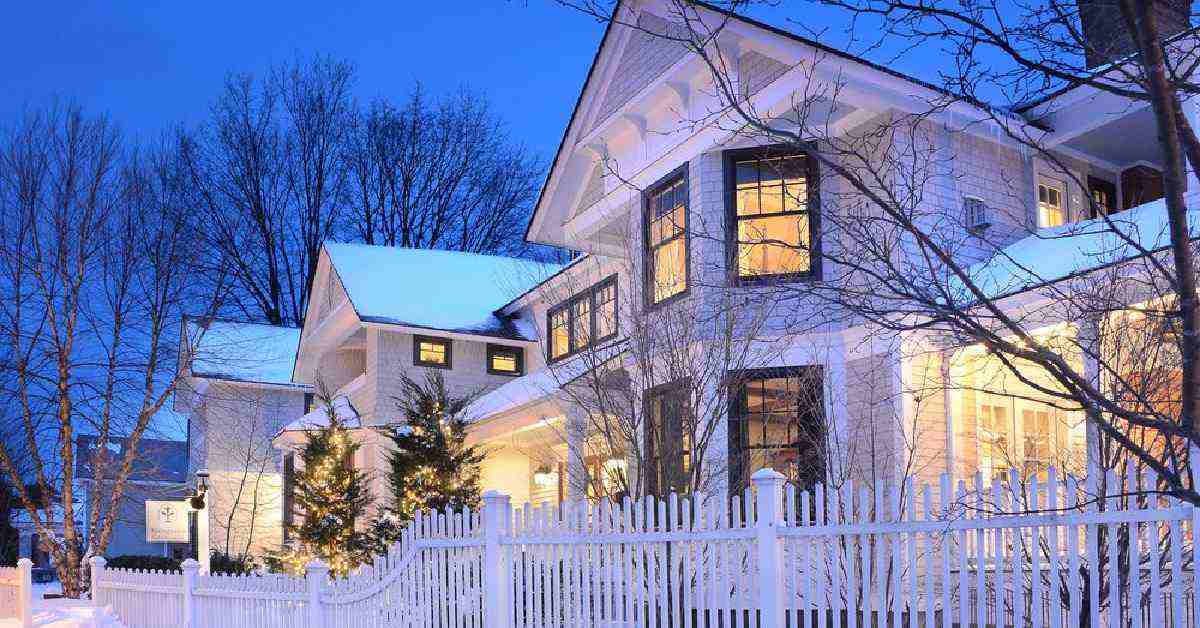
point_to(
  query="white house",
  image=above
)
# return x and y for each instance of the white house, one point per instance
(677, 213)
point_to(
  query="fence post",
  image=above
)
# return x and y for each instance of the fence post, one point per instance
(98, 565)
(768, 484)
(316, 576)
(25, 592)
(190, 568)
(496, 578)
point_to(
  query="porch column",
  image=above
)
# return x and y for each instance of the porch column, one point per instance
(576, 425)
(1089, 342)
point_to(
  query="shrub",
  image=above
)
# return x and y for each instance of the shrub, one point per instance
(220, 562)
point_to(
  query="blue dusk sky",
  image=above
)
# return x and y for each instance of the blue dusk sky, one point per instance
(152, 65)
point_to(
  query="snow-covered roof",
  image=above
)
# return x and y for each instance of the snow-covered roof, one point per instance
(319, 417)
(1056, 253)
(534, 386)
(246, 352)
(445, 290)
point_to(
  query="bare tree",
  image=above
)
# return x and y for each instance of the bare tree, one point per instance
(98, 255)
(439, 174)
(268, 176)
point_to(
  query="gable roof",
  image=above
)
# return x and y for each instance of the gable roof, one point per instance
(434, 289)
(824, 48)
(243, 352)
(155, 460)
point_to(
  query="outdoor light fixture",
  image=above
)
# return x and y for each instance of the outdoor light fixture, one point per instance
(545, 477)
(197, 499)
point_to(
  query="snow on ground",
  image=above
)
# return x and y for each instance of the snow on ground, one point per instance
(66, 613)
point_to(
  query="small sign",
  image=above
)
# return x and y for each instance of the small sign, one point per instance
(167, 522)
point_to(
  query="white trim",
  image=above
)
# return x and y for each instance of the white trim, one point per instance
(442, 333)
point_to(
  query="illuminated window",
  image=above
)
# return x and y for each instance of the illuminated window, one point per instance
(771, 213)
(778, 422)
(585, 320)
(1051, 206)
(608, 476)
(1023, 434)
(434, 352)
(666, 239)
(560, 333)
(504, 360)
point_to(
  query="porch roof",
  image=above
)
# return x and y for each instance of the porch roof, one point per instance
(1056, 253)
(346, 415)
(538, 385)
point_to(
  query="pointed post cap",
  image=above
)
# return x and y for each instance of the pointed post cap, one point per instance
(190, 565)
(316, 565)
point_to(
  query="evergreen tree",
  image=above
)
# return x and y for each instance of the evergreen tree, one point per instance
(329, 497)
(431, 466)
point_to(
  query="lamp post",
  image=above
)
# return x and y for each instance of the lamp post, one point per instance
(199, 504)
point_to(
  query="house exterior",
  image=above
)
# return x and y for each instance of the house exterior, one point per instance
(682, 217)
(159, 473)
(236, 389)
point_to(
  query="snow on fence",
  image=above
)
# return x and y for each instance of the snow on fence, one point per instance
(1044, 554)
(16, 592)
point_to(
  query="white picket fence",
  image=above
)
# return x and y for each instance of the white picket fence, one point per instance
(1043, 555)
(16, 592)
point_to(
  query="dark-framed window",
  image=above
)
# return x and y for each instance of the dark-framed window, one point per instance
(309, 402)
(289, 494)
(505, 360)
(669, 435)
(777, 420)
(584, 320)
(665, 236)
(772, 214)
(433, 352)
(1104, 197)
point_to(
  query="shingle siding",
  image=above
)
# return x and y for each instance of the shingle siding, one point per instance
(646, 56)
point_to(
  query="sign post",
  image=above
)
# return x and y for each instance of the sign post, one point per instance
(199, 504)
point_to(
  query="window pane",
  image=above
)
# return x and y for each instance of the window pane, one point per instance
(581, 324)
(771, 199)
(670, 271)
(606, 311)
(747, 200)
(796, 196)
(505, 362)
(558, 334)
(774, 245)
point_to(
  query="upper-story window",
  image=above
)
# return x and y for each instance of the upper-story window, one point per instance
(584, 320)
(1052, 204)
(1104, 197)
(666, 250)
(771, 212)
(505, 360)
(433, 352)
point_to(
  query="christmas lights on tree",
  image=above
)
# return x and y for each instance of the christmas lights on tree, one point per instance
(330, 498)
(431, 466)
